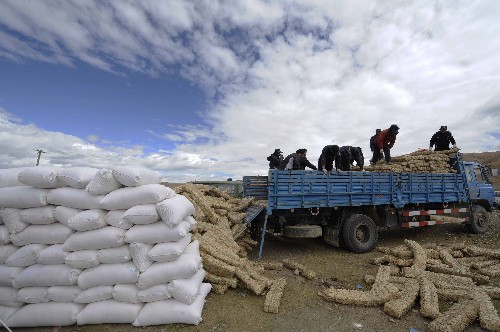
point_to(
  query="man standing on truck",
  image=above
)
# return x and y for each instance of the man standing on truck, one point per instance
(373, 146)
(328, 154)
(442, 139)
(346, 157)
(384, 142)
(275, 159)
(296, 161)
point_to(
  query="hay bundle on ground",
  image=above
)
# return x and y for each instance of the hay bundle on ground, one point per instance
(441, 278)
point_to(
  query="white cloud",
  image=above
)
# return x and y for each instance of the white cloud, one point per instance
(287, 74)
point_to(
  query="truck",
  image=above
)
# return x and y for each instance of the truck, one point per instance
(347, 209)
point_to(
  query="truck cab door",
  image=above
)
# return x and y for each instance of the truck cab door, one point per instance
(472, 182)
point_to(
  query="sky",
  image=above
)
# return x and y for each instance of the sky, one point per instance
(206, 90)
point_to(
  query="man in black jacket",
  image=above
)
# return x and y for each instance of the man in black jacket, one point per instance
(373, 145)
(297, 161)
(275, 159)
(328, 154)
(347, 156)
(442, 139)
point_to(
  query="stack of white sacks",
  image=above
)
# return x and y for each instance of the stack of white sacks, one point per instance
(88, 246)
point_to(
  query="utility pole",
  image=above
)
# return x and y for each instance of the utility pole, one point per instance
(39, 155)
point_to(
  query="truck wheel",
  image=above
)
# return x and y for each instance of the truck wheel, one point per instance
(302, 231)
(359, 233)
(480, 220)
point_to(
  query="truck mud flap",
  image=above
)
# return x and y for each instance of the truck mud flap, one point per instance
(331, 235)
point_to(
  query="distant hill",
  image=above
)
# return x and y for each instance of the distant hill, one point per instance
(486, 158)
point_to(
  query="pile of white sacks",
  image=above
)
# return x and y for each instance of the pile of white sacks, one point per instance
(88, 246)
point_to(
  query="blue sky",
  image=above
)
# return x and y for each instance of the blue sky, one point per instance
(100, 106)
(208, 90)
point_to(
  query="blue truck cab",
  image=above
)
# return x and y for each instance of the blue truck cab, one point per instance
(348, 208)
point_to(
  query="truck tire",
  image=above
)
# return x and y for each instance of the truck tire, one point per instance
(360, 234)
(302, 232)
(480, 220)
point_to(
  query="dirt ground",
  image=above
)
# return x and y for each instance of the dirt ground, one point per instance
(301, 308)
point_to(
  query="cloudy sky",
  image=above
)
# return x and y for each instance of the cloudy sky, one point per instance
(208, 89)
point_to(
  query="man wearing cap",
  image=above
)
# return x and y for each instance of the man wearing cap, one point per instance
(384, 142)
(275, 159)
(442, 139)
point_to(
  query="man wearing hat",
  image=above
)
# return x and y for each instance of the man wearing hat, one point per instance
(442, 139)
(384, 142)
(275, 159)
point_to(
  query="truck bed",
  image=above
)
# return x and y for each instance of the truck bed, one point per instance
(308, 189)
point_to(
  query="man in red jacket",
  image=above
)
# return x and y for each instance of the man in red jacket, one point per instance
(384, 143)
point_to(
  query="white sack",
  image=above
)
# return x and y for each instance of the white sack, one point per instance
(45, 314)
(76, 177)
(8, 274)
(103, 183)
(25, 256)
(9, 177)
(88, 220)
(4, 236)
(154, 293)
(139, 252)
(52, 255)
(109, 312)
(183, 267)
(5, 251)
(42, 234)
(38, 216)
(125, 198)
(63, 214)
(6, 312)
(95, 294)
(115, 218)
(172, 311)
(156, 233)
(142, 214)
(63, 293)
(8, 297)
(82, 259)
(11, 220)
(186, 290)
(169, 251)
(192, 222)
(126, 293)
(75, 198)
(131, 176)
(22, 197)
(40, 177)
(173, 210)
(108, 275)
(102, 238)
(33, 295)
(47, 275)
(114, 255)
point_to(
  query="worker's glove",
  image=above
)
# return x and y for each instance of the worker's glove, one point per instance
(454, 146)
(325, 172)
(381, 151)
(430, 148)
(339, 171)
